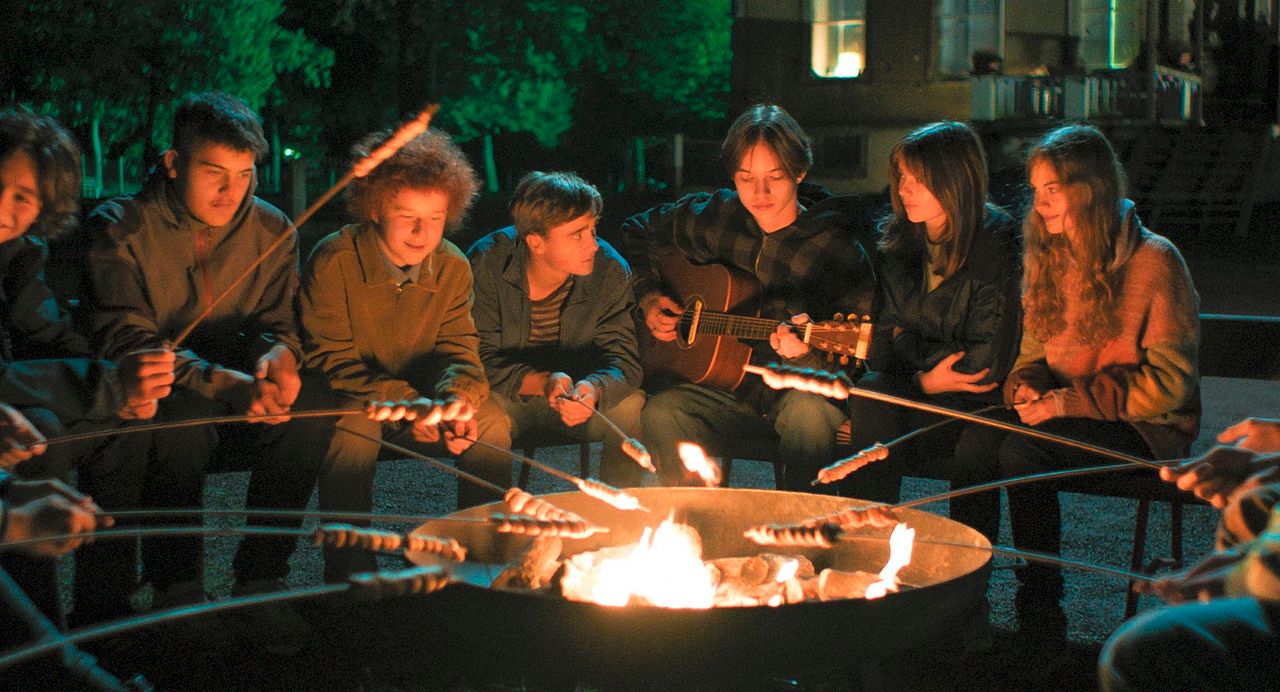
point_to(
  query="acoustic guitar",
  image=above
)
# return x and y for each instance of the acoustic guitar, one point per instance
(721, 308)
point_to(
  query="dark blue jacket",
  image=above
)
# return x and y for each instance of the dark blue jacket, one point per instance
(597, 331)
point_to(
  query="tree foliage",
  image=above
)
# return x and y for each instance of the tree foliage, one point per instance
(125, 63)
(671, 65)
(533, 74)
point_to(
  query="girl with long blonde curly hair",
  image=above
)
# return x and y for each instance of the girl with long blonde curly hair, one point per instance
(1109, 348)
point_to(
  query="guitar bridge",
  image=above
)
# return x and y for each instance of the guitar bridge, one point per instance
(692, 311)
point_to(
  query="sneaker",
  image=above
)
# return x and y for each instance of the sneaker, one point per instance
(274, 627)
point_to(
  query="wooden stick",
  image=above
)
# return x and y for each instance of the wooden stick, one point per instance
(402, 136)
(194, 422)
(630, 445)
(944, 411)
(162, 531)
(595, 411)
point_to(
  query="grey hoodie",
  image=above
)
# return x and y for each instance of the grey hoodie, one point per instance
(153, 268)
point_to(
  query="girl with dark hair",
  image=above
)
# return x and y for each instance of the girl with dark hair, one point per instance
(803, 248)
(946, 330)
(1108, 356)
(45, 373)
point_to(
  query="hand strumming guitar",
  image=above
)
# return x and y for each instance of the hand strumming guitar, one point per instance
(661, 314)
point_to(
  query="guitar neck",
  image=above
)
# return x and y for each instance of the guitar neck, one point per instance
(724, 324)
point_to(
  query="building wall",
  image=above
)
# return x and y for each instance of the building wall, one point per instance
(771, 43)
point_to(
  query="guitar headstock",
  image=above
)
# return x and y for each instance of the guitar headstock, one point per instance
(848, 337)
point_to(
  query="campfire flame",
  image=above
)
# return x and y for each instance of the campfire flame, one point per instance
(901, 542)
(664, 569)
(696, 461)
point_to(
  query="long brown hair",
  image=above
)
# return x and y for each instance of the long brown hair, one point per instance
(1094, 182)
(948, 158)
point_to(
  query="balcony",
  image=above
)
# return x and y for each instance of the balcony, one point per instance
(1119, 95)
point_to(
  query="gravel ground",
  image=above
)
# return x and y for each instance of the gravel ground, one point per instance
(387, 648)
(356, 646)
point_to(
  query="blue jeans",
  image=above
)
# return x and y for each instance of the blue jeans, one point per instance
(1226, 644)
(800, 426)
(534, 418)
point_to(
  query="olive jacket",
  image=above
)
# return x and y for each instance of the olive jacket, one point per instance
(374, 339)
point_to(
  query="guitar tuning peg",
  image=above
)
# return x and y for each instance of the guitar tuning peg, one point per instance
(838, 316)
(844, 360)
(853, 318)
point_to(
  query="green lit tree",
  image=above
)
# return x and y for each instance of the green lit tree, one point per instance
(114, 69)
(496, 67)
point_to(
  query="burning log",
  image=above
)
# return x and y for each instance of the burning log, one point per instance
(764, 579)
(534, 567)
(834, 584)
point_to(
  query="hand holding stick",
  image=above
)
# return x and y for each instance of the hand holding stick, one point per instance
(840, 387)
(630, 445)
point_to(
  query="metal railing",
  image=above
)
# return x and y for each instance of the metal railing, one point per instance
(1122, 94)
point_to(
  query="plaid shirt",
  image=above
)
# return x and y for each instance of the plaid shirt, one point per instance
(817, 265)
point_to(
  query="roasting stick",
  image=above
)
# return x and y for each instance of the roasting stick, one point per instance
(597, 489)
(1033, 478)
(79, 664)
(367, 585)
(336, 535)
(402, 136)
(839, 386)
(497, 520)
(516, 500)
(630, 445)
(430, 460)
(880, 450)
(145, 514)
(827, 535)
(194, 422)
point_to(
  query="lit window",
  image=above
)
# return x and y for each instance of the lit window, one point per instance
(966, 27)
(839, 37)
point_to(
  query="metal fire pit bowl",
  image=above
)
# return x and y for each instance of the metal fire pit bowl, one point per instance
(647, 645)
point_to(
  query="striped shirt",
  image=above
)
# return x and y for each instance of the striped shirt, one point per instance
(544, 316)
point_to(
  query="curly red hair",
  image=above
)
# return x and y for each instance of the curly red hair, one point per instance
(430, 161)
